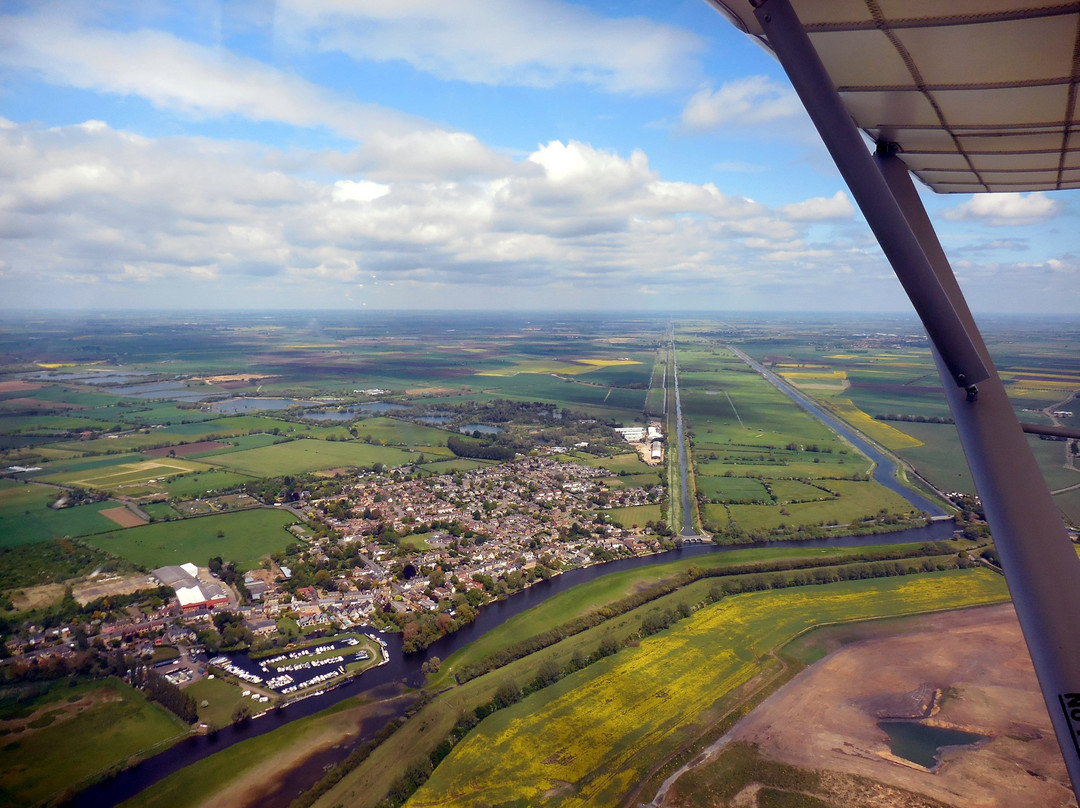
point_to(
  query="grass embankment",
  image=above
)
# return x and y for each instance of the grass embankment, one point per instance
(588, 739)
(69, 736)
(608, 589)
(240, 771)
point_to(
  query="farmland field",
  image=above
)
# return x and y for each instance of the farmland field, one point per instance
(127, 475)
(248, 535)
(588, 739)
(70, 735)
(300, 456)
(25, 515)
(635, 515)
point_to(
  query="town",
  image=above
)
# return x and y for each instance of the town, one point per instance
(416, 555)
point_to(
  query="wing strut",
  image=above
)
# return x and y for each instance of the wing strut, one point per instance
(1041, 565)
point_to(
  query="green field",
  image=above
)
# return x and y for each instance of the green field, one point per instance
(127, 476)
(77, 733)
(394, 432)
(300, 456)
(199, 782)
(201, 482)
(635, 515)
(248, 535)
(25, 515)
(590, 738)
(221, 697)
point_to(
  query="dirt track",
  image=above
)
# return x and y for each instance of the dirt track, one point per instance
(826, 718)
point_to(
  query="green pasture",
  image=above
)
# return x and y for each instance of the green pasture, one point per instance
(571, 391)
(458, 464)
(58, 393)
(124, 475)
(46, 424)
(76, 463)
(25, 515)
(629, 463)
(855, 502)
(222, 700)
(300, 456)
(589, 739)
(248, 535)
(393, 432)
(78, 734)
(159, 511)
(796, 491)
(1050, 455)
(199, 483)
(940, 459)
(732, 489)
(162, 412)
(1069, 503)
(635, 515)
(239, 443)
(715, 515)
(647, 479)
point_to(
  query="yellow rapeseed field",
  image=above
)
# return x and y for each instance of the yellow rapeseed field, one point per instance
(588, 739)
(796, 375)
(571, 367)
(887, 435)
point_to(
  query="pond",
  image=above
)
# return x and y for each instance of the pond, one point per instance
(483, 429)
(922, 743)
(234, 406)
(357, 411)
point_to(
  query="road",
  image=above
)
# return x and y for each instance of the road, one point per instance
(687, 532)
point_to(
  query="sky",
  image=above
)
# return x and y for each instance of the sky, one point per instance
(472, 154)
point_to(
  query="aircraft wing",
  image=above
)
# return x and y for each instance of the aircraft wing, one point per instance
(969, 96)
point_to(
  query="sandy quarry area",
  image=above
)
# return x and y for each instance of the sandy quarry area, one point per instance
(967, 670)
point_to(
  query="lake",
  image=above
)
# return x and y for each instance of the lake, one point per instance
(922, 743)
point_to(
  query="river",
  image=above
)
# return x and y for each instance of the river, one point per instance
(885, 466)
(406, 670)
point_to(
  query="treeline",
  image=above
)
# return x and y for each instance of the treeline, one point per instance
(918, 419)
(748, 578)
(165, 693)
(479, 450)
(52, 562)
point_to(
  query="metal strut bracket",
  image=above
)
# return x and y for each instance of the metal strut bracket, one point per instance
(815, 89)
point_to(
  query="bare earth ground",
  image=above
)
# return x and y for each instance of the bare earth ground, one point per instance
(269, 776)
(99, 587)
(122, 516)
(975, 661)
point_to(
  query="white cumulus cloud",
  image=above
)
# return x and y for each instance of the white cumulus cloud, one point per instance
(820, 209)
(1006, 209)
(534, 43)
(746, 101)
